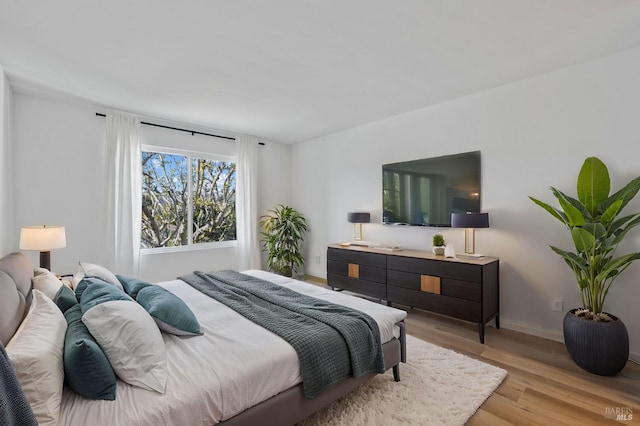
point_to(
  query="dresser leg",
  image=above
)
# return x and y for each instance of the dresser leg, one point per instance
(498, 321)
(481, 332)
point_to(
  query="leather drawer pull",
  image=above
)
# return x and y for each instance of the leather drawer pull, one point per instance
(430, 284)
(354, 270)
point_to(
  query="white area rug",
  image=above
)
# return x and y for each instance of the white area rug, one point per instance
(437, 387)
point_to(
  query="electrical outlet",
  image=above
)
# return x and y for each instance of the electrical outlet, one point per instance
(557, 306)
(317, 259)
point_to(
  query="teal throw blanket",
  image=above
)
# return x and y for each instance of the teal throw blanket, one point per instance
(333, 342)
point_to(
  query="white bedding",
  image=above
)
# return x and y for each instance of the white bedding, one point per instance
(233, 366)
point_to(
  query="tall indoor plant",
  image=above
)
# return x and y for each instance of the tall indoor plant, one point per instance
(597, 341)
(282, 232)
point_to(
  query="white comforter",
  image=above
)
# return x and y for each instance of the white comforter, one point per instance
(233, 366)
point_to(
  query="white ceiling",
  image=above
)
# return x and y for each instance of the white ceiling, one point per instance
(292, 70)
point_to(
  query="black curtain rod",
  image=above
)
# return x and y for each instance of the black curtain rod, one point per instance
(193, 132)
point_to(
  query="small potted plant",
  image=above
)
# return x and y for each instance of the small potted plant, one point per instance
(438, 245)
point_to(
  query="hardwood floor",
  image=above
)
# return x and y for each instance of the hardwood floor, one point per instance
(543, 385)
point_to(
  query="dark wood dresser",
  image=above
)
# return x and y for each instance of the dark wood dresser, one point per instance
(463, 288)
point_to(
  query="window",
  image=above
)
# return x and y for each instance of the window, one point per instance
(188, 199)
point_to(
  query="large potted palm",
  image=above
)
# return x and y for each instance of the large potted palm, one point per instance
(596, 340)
(282, 231)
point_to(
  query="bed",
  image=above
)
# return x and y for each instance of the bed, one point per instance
(236, 373)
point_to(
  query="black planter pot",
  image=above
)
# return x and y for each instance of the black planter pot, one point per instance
(598, 347)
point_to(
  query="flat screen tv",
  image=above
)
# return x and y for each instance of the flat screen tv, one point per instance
(425, 192)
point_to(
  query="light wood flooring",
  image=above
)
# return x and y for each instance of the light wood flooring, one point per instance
(543, 385)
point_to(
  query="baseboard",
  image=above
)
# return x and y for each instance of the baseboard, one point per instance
(313, 279)
(545, 333)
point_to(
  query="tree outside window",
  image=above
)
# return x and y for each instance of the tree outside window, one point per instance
(187, 200)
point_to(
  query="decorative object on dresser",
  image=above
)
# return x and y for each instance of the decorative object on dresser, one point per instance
(438, 245)
(597, 341)
(466, 289)
(43, 238)
(470, 221)
(282, 232)
(358, 218)
(449, 251)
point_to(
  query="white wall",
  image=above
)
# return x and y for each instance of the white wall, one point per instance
(5, 164)
(532, 134)
(59, 179)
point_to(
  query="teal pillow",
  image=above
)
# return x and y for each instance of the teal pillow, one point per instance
(86, 367)
(132, 285)
(169, 311)
(65, 298)
(80, 288)
(98, 292)
(86, 282)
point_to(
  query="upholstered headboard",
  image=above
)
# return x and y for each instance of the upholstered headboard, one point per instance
(16, 272)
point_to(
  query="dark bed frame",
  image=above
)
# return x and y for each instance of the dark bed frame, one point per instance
(286, 408)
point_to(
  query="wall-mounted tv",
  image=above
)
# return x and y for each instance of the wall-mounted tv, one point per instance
(425, 192)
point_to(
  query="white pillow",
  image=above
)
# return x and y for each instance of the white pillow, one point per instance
(131, 341)
(93, 270)
(35, 352)
(46, 281)
(76, 278)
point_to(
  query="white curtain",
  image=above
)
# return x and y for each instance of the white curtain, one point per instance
(124, 194)
(8, 241)
(246, 203)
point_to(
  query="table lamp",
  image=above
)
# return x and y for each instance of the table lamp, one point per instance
(43, 238)
(358, 218)
(470, 221)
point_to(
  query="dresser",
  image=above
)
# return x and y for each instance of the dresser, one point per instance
(462, 288)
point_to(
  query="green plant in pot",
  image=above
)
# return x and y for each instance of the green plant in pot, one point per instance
(282, 232)
(597, 341)
(438, 245)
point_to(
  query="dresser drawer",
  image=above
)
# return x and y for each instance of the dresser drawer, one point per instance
(462, 289)
(448, 286)
(458, 308)
(368, 288)
(439, 268)
(358, 271)
(358, 258)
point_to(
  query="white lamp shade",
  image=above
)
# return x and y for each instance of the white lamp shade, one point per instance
(42, 237)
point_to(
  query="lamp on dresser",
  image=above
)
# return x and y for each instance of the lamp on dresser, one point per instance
(470, 221)
(358, 218)
(43, 238)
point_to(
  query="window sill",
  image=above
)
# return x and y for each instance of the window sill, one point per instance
(193, 247)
